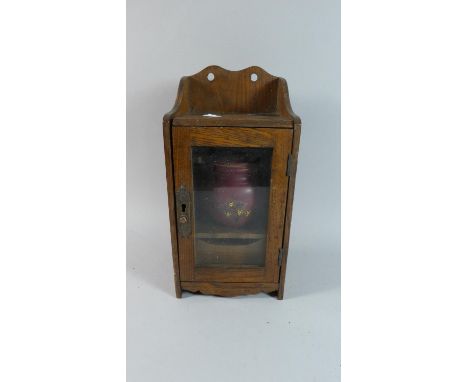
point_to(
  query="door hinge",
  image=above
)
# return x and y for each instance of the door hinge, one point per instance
(280, 256)
(290, 165)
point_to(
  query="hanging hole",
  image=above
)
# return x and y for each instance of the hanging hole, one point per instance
(210, 76)
(184, 206)
(253, 77)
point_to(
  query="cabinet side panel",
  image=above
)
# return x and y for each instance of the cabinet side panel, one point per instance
(171, 203)
(289, 206)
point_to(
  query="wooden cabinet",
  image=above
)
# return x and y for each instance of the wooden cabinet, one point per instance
(231, 143)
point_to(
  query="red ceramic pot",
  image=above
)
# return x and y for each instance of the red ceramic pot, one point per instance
(234, 196)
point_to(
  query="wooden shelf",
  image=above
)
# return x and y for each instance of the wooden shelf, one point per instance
(244, 120)
(229, 235)
(239, 100)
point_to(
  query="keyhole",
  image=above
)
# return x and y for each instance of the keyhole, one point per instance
(183, 207)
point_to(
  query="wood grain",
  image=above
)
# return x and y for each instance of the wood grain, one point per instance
(171, 203)
(252, 114)
(239, 120)
(229, 289)
(184, 138)
(233, 93)
(289, 208)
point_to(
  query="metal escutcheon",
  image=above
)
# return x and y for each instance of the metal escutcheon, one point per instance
(183, 200)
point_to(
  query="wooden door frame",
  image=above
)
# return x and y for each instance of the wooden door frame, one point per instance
(280, 140)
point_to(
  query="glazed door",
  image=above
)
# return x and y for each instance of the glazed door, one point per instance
(231, 189)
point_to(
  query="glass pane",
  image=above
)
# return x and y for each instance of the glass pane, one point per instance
(231, 193)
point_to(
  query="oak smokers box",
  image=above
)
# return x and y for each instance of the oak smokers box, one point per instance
(231, 143)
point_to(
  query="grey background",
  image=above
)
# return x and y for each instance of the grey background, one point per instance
(203, 338)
